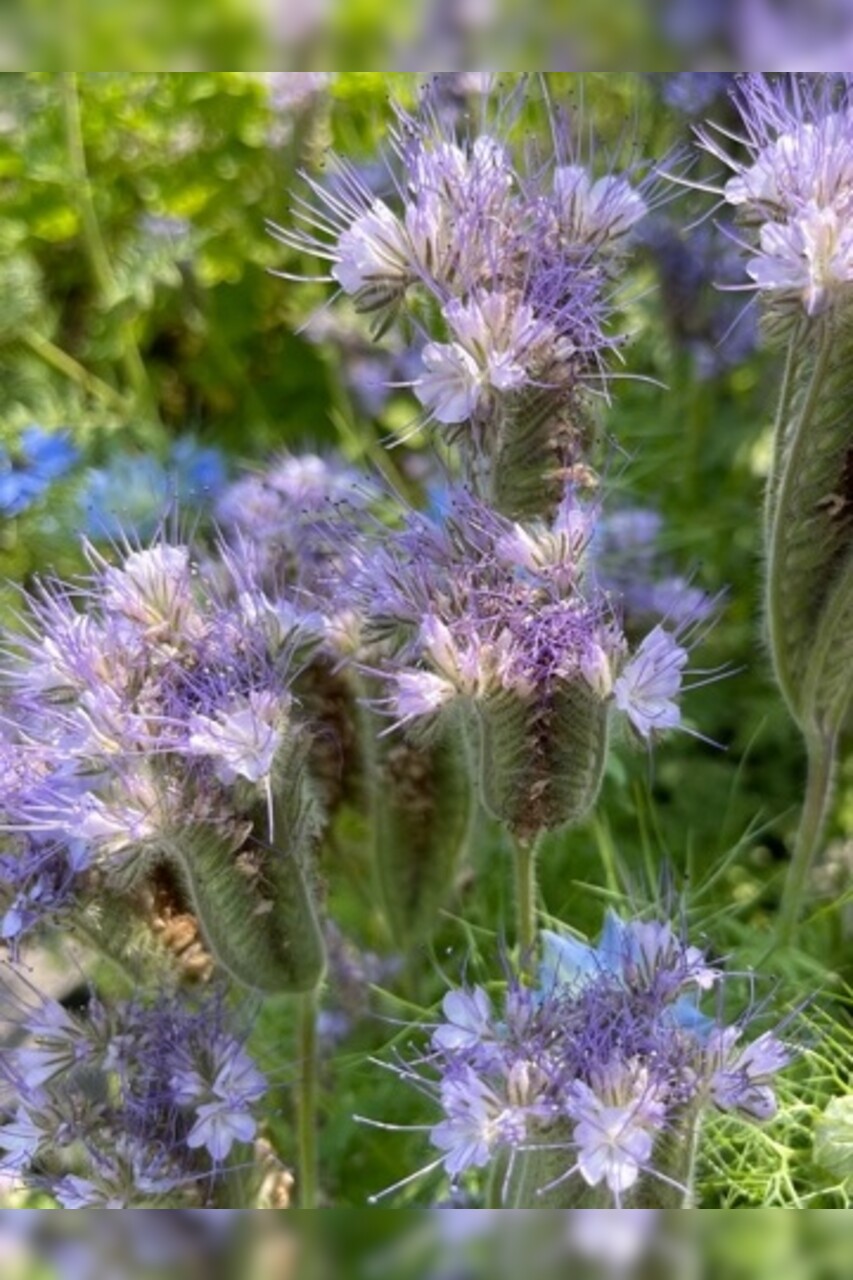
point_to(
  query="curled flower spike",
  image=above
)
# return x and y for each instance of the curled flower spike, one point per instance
(502, 628)
(151, 718)
(796, 189)
(509, 274)
(584, 1089)
(139, 1104)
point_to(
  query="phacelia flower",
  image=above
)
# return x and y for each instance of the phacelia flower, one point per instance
(139, 1104)
(143, 703)
(649, 686)
(506, 624)
(600, 1067)
(796, 187)
(509, 274)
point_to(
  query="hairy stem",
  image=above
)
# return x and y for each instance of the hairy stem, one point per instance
(783, 408)
(306, 1103)
(93, 243)
(526, 851)
(820, 788)
(786, 483)
(691, 1161)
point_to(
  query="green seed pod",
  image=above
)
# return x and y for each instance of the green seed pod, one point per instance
(810, 526)
(256, 910)
(541, 759)
(421, 809)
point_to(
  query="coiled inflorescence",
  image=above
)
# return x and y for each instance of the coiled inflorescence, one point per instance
(508, 273)
(139, 1103)
(588, 1086)
(150, 719)
(504, 627)
(795, 189)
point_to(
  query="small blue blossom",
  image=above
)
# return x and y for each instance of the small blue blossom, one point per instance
(33, 464)
(132, 495)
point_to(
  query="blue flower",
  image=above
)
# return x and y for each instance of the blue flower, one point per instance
(39, 458)
(133, 494)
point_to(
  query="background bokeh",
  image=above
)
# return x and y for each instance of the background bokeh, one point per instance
(595, 1244)
(661, 34)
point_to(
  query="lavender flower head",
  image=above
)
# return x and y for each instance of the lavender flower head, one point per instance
(141, 1103)
(796, 187)
(141, 704)
(509, 273)
(477, 606)
(595, 1073)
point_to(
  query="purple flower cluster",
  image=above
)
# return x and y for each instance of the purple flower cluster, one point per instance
(478, 605)
(141, 702)
(294, 516)
(606, 1059)
(795, 189)
(508, 273)
(135, 1104)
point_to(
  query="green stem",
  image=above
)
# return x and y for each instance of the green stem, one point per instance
(777, 585)
(306, 1113)
(525, 898)
(65, 364)
(93, 242)
(795, 351)
(820, 787)
(689, 1201)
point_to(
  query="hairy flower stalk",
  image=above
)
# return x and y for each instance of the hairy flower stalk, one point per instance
(587, 1089)
(794, 194)
(150, 720)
